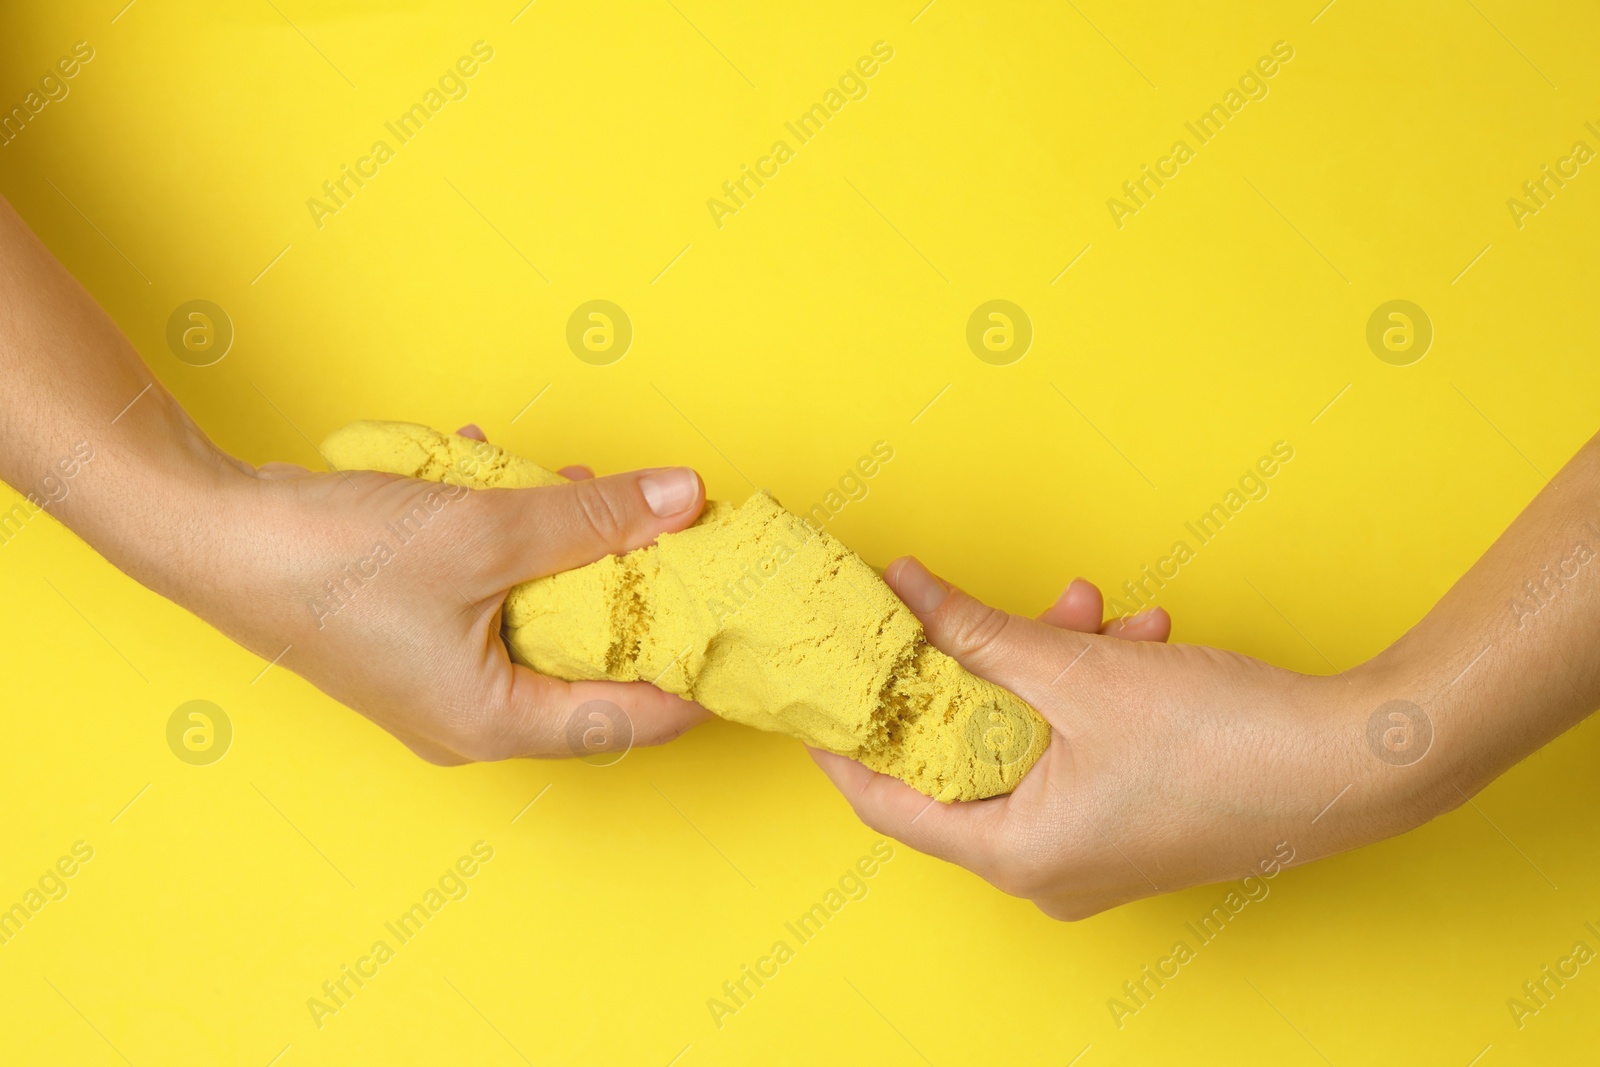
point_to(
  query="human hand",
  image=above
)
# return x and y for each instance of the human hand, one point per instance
(401, 620)
(1168, 766)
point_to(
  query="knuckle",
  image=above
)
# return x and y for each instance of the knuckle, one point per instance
(605, 516)
(976, 628)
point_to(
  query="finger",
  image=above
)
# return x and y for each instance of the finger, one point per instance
(1079, 607)
(474, 431)
(555, 528)
(1151, 624)
(657, 716)
(1020, 654)
(281, 470)
(545, 717)
(577, 472)
(963, 833)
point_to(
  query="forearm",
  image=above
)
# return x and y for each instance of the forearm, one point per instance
(1510, 657)
(86, 432)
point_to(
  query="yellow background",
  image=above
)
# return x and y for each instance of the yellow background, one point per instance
(824, 316)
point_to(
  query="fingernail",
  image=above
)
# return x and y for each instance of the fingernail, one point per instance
(1144, 616)
(671, 491)
(921, 591)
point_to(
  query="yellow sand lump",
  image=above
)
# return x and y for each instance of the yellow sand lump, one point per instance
(753, 614)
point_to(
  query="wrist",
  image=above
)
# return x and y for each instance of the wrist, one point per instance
(176, 502)
(1407, 763)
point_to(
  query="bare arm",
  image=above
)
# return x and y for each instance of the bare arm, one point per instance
(87, 433)
(1172, 766)
(1510, 657)
(67, 378)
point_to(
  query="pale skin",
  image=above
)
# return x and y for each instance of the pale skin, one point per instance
(1178, 765)
(247, 549)
(1169, 765)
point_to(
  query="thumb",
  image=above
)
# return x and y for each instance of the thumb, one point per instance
(558, 527)
(967, 833)
(1020, 654)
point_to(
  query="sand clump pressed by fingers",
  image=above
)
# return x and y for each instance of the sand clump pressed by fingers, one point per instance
(752, 613)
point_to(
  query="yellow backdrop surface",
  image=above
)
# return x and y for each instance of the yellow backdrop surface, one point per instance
(1177, 334)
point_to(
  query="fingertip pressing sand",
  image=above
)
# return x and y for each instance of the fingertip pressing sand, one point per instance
(753, 614)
